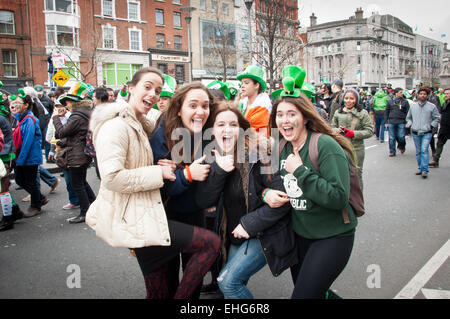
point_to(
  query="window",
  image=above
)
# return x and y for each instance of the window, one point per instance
(202, 4)
(6, 22)
(62, 35)
(135, 40)
(339, 47)
(176, 1)
(179, 73)
(318, 36)
(177, 20)
(163, 67)
(225, 9)
(9, 61)
(358, 30)
(177, 42)
(214, 6)
(338, 32)
(109, 37)
(60, 5)
(329, 33)
(358, 46)
(118, 73)
(159, 16)
(134, 10)
(108, 8)
(330, 48)
(72, 70)
(160, 40)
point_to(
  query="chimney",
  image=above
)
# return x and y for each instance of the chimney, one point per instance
(359, 13)
(313, 20)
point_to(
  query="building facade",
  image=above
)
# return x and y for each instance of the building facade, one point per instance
(428, 61)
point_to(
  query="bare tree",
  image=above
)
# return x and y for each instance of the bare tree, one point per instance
(276, 43)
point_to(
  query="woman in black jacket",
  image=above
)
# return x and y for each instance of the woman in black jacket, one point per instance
(253, 234)
(73, 134)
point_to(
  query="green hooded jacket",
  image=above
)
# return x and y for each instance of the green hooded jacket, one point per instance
(380, 101)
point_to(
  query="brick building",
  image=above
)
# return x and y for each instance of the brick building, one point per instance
(15, 45)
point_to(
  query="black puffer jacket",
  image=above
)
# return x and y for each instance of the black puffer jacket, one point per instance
(396, 111)
(272, 226)
(444, 131)
(74, 133)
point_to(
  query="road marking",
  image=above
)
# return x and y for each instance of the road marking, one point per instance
(436, 294)
(371, 146)
(424, 274)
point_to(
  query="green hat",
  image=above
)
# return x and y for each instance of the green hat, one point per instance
(233, 88)
(293, 78)
(219, 85)
(77, 93)
(21, 94)
(255, 73)
(407, 94)
(169, 86)
(39, 88)
(308, 89)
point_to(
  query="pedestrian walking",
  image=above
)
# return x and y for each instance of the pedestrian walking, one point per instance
(379, 104)
(324, 240)
(74, 133)
(353, 122)
(338, 97)
(129, 210)
(29, 153)
(422, 117)
(253, 233)
(395, 119)
(444, 131)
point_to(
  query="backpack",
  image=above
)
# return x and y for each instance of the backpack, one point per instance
(356, 195)
(17, 135)
(89, 149)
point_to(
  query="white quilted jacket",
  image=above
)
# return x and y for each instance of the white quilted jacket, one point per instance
(128, 211)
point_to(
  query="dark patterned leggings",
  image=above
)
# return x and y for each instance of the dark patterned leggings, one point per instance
(203, 246)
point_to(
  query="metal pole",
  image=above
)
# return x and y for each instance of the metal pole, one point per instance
(250, 35)
(189, 48)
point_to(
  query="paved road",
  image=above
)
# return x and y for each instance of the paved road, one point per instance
(406, 224)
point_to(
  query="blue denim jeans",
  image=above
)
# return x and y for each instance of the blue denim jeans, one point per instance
(243, 262)
(73, 199)
(379, 126)
(46, 176)
(396, 134)
(422, 143)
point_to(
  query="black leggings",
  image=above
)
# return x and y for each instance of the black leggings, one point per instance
(320, 263)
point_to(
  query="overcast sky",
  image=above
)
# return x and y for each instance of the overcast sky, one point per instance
(412, 12)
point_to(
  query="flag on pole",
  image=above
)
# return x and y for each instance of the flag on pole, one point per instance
(443, 35)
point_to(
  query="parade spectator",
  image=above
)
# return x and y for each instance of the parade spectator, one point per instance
(74, 132)
(255, 104)
(422, 117)
(352, 121)
(324, 100)
(64, 114)
(130, 191)
(249, 225)
(101, 95)
(338, 97)
(379, 104)
(29, 156)
(441, 96)
(395, 119)
(111, 96)
(188, 117)
(444, 131)
(324, 241)
(164, 99)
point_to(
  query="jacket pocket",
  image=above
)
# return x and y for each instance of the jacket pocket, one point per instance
(280, 238)
(124, 212)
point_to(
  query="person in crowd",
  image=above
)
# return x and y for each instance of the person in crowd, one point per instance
(100, 95)
(111, 96)
(338, 98)
(422, 117)
(61, 110)
(49, 106)
(308, 90)
(130, 192)
(74, 135)
(353, 122)
(182, 127)
(324, 241)
(379, 104)
(247, 225)
(324, 100)
(164, 99)
(395, 120)
(434, 99)
(441, 96)
(29, 156)
(444, 131)
(255, 104)
(10, 211)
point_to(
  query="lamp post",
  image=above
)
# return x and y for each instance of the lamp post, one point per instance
(248, 4)
(379, 34)
(188, 19)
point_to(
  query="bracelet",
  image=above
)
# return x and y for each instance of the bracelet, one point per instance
(265, 193)
(188, 171)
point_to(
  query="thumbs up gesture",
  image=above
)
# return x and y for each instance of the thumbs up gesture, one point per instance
(225, 162)
(199, 171)
(293, 161)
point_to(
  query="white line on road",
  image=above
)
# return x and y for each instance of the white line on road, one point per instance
(371, 146)
(424, 274)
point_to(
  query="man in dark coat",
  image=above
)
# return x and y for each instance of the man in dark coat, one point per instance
(444, 131)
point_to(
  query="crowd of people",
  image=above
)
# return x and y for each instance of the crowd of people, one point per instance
(218, 178)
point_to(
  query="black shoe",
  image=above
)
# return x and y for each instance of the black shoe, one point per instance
(17, 213)
(77, 220)
(210, 288)
(7, 223)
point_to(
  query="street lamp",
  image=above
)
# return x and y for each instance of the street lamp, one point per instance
(188, 19)
(248, 4)
(379, 34)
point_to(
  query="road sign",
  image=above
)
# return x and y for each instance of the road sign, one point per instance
(60, 78)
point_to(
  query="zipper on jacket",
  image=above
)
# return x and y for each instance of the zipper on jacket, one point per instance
(125, 209)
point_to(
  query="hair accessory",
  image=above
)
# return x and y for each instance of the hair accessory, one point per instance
(293, 78)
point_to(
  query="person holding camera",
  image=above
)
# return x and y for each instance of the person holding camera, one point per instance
(353, 121)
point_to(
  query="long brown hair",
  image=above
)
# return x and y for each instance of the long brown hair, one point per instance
(315, 123)
(173, 120)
